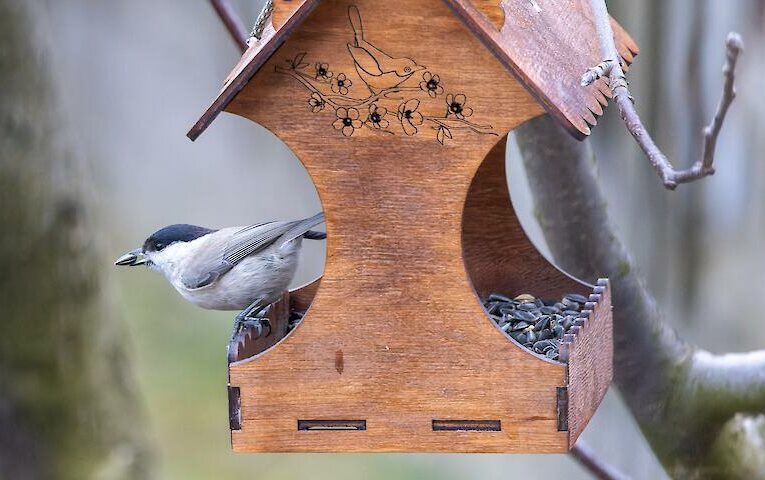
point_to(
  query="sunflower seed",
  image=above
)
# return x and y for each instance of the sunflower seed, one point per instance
(520, 326)
(558, 331)
(524, 298)
(539, 325)
(575, 297)
(523, 315)
(545, 334)
(571, 305)
(543, 323)
(519, 337)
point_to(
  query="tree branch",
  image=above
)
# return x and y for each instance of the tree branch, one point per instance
(683, 398)
(232, 22)
(611, 67)
(590, 461)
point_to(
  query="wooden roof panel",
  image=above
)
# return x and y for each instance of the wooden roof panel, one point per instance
(546, 44)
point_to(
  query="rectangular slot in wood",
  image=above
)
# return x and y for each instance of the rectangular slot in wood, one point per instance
(562, 401)
(234, 408)
(331, 425)
(467, 426)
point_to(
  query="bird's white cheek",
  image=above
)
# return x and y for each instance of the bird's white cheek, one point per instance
(160, 263)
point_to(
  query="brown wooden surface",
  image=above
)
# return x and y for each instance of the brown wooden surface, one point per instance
(396, 336)
(283, 9)
(498, 255)
(590, 358)
(547, 44)
(246, 343)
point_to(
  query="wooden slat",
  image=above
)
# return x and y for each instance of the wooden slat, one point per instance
(590, 363)
(247, 343)
(548, 45)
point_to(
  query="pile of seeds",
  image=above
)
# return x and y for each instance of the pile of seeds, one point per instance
(538, 325)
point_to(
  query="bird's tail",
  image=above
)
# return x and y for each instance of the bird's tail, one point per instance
(358, 28)
(301, 227)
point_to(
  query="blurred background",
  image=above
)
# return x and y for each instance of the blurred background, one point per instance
(130, 78)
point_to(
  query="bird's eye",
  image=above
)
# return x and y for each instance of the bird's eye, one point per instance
(159, 246)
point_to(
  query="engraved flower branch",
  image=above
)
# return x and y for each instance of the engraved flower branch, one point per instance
(392, 110)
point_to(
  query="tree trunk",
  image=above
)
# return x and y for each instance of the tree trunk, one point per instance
(68, 403)
(701, 413)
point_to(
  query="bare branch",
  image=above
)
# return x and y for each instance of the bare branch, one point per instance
(590, 461)
(232, 22)
(735, 380)
(593, 74)
(683, 398)
(612, 69)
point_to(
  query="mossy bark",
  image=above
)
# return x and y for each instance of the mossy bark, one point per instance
(68, 405)
(701, 413)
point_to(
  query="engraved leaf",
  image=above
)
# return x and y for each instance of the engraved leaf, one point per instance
(443, 134)
(297, 62)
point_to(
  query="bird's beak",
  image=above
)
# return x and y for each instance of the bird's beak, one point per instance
(131, 259)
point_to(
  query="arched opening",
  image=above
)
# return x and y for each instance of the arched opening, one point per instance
(529, 299)
(281, 183)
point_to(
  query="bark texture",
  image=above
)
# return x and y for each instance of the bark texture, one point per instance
(701, 413)
(68, 405)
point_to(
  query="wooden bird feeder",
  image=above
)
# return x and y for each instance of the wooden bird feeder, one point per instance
(400, 110)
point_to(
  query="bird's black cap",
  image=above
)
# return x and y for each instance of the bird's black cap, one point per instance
(181, 232)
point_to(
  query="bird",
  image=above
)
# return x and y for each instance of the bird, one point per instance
(242, 268)
(377, 69)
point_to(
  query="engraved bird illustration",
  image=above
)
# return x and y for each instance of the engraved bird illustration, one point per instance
(376, 68)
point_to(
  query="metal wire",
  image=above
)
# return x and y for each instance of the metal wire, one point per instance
(260, 23)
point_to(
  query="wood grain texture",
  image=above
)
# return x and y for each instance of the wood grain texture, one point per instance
(498, 255)
(492, 10)
(283, 9)
(244, 346)
(590, 358)
(395, 303)
(547, 44)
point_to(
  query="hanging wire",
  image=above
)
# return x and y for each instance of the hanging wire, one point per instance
(260, 23)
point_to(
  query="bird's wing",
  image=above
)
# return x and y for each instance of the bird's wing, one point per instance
(365, 60)
(358, 27)
(249, 241)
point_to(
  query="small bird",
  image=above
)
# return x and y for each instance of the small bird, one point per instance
(376, 68)
(236, 268)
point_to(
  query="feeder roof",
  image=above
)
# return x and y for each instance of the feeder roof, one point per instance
(546, 44)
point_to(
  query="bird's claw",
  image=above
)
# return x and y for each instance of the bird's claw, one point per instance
(258, 325)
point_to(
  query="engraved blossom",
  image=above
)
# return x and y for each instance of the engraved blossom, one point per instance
(409, 117)
(432, 84)
(455, 105)
(347, 121)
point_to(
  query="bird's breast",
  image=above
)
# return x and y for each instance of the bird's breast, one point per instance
(263, 277)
